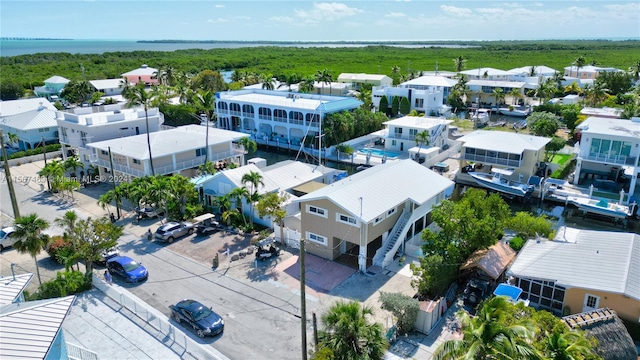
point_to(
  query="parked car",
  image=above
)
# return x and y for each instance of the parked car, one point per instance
(201, 318)
(6, 237)
(127, 268)
(108, 254)
(173, 230)
(148, 212)
(475, 291)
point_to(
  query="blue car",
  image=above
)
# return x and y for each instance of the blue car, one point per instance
(201, 318)
(127, 268)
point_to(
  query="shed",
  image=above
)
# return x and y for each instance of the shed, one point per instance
(492, 261)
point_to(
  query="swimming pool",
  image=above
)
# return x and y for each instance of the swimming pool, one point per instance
(379, 153)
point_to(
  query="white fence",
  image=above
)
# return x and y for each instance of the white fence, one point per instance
(454, 149)
(172, 337)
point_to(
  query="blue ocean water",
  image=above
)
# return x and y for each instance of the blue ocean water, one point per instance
(23, 47)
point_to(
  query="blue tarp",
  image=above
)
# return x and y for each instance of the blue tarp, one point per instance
(510, 291)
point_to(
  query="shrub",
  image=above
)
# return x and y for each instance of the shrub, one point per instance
(403, 307)
(516, 243)
(563, 171)
(65, 283)
(58, 244)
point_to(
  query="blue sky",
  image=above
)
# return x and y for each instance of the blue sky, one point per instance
(303, 20)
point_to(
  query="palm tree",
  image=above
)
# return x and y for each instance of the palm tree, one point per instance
(422, 138)
(566, 345)
(486, 336)
(255, 179)
(54, 172)
(307, 84)
(205, 102)
(515, 95)
(138, 96)
(126, 87)
(207, 168)
(247, 144)
(634, 70)
(12, 138)
(459, 63)
(68, 223)
(268, 82)
(289, 80)
(579, 63)
(348, 334)
(73, 163)
(236, 195)
(31, 240)
(532, 71)
(324, 76)
(498, 95)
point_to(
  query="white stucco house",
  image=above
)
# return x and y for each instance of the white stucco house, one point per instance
(400, 133)
(80, 126)
(110, 87)
(33, 128)
(610, 149)
(357, 80)
(487, 73)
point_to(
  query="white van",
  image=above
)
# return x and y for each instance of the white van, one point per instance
(6, 238)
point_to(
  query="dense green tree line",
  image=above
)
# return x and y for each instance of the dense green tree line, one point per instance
(31, 70)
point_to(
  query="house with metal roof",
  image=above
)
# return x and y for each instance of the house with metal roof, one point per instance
(487, 73)
(13, 107)
(176, 151)
(281, 177)
(144, 73)
(581, 270)
(589, 72)
(283, 117)
(80, 126)
(521, 154)
(110, 87)
(609, 149)
(482, 91)
(425, 94)
(53, 86)
(12, 288)
(368, 217)
(33, 127)
(400, 133)
(358, 80)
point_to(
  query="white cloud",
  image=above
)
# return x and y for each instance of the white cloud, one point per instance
(327, 11)
(395, 15)
(623, 11)
(219, 6)
(217, 21)
(456, 11)
(283, 19)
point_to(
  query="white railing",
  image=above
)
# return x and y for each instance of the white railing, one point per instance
(75, 352)
(382, 251)
(179, 166)
(121, 168)
(620, 159)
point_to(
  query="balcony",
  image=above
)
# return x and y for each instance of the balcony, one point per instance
(121, 168)
(264, 117)
(605, 158)
(235, 113)
(400, 136)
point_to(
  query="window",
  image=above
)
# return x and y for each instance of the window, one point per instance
(419, 103)
(104, 152)
(378, 220)
(317, 211)
(201, 152)
(317, 238)
(346, 219)
(391, 212)
(413, 132)
(136, 161)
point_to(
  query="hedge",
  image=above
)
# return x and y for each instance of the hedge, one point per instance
(30, 152)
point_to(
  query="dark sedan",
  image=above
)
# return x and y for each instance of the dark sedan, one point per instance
(127, 268)
(201, 318)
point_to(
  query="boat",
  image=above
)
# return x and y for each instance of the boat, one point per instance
(514, 112)
(481, 116)
(601, 207)
(497, 181)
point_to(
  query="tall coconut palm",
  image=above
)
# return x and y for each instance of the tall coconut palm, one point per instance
(138, 96)
(68, 222)
(634, 70)
(236, 196)
(54, 172)
(306, 84)
(73, 163)
(486, 336)
(247, 144)
(324, 76)
(31, 240)
(268, 82)
(563, 344)
(515, 95)
(255, 180)
(579, 63)
(459, 63)
(12, 138)
(289, 80)
(349, 335)
(126, 87)
(498, 95)
(533, 70)
(205, 102)
(422, 139)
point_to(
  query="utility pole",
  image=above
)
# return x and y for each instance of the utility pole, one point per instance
(113, 178)
(303, 303)
(44, 153)
(7, 174)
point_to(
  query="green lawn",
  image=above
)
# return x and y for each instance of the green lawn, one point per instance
(560, 158)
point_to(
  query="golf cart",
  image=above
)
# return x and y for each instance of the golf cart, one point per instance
(265, 249)
(205, 224)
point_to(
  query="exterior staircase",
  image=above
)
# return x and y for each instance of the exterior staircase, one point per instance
(75, 352)
(385, 254)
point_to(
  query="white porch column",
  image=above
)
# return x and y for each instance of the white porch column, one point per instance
(576, 176)
(147, 168)
(173, 160)
(632, 184)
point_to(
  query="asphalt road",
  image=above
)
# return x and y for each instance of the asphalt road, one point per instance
(261, 315)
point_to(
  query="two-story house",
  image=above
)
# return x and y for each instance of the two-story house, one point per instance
(144, 74)
(31, 120)
(400, 133)
(52, 87)
(610, 149)
(487, 74)
(80, 126)
(358, 80)
(426, 94)
(176, 151)
(110, 87)
(285, 117)
(351, 222)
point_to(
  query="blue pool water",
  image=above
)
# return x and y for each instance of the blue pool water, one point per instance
(380, 153)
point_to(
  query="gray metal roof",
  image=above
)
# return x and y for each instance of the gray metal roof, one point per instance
(289, 174)
(497, 83)
(361, 77)
(29, 328)
(57, 80)
(11, 287)
(608, 126)
(418, 122)
(381, 188)
(12, 107)
(597, 260)
(106, 83)
(430, 80)
(34, 119)
(503, 141)
(488, 70)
